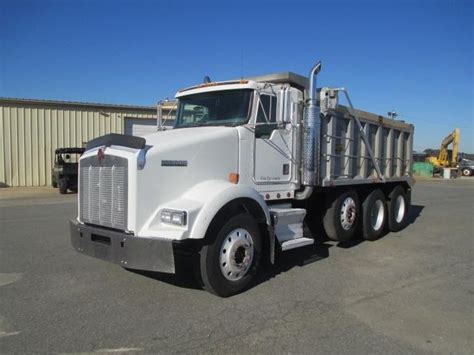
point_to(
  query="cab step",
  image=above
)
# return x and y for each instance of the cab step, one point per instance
(288, 226)
(296, 243)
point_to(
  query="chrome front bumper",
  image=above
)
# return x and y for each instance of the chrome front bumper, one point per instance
(152, 254)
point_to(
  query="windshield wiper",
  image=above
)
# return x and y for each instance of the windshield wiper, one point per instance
(195, 124)
(210, 123)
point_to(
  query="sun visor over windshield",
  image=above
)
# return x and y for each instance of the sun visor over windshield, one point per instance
(117, 139)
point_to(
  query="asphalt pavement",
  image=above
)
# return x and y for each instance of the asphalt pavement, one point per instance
(410, 291)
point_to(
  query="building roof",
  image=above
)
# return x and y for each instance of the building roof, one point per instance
(14, 100)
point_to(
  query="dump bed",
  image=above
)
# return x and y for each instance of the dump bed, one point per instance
(345, 158)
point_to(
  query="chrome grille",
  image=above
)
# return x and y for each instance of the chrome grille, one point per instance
(103, 191)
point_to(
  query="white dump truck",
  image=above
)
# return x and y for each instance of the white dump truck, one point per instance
(247, 166)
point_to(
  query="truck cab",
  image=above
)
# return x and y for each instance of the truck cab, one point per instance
(265, 118)
(221, 187)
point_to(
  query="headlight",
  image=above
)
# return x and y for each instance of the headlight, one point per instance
(173, 217)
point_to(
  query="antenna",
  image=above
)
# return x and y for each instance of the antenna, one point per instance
(241, 63)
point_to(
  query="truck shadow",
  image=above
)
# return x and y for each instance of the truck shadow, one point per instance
(186, 275)
(413, 213)
(181, 278)
(320, 250)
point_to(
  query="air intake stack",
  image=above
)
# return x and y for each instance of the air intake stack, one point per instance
(311, 132)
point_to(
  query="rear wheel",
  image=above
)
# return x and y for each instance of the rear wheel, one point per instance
(341, 216)
(398, 206)
(62, 186)
(229, 265)
(374, 215)
(466, 172)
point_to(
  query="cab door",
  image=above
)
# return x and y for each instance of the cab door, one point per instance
(273, 140)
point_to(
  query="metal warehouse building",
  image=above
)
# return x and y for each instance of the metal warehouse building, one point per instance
(31, 130)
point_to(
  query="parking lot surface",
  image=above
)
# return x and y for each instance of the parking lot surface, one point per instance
(410, 291)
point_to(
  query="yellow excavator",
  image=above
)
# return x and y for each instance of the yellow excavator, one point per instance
(443, 160)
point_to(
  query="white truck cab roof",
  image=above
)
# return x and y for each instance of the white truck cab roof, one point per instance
(255, 82)
(218, 86)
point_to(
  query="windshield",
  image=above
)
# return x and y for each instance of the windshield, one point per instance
(218, 108)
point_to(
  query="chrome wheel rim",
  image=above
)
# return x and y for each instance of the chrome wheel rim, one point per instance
(236, 254)
(348, 213)
(466, 172)
(377, 215)
(399, 208)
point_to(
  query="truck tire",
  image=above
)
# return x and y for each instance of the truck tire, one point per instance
(342, 215)
(466, 172)
(229, 265)
(374, 215)
(398, 205)
(62, 186)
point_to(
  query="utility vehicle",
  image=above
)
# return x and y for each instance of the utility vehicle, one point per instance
(65, 169)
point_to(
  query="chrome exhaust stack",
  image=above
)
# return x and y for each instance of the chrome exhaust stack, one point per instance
(159, 115)
(311, 132)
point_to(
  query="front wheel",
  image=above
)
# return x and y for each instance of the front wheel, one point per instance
(229, 265)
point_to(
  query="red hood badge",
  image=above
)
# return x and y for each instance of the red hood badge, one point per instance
(101, 154)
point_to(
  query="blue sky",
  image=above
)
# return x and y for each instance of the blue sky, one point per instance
(415, 57)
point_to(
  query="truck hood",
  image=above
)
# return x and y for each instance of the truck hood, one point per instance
(177, 160)
(170, 140)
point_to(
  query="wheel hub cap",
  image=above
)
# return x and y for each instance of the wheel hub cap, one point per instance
(399, 209)
(378, 214)
(236, 254)
(348, 213)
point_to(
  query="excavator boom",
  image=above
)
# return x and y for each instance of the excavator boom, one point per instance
(443, 157)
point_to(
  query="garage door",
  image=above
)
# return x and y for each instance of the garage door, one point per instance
(139, 126)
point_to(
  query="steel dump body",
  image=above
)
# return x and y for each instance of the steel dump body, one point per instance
(345, 158)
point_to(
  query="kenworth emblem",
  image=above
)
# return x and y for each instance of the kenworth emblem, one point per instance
(178, 163)
(101, 154)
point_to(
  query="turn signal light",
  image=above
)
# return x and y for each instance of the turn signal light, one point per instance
(234, 178)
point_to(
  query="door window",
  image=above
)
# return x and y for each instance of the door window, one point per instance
(267, 109)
